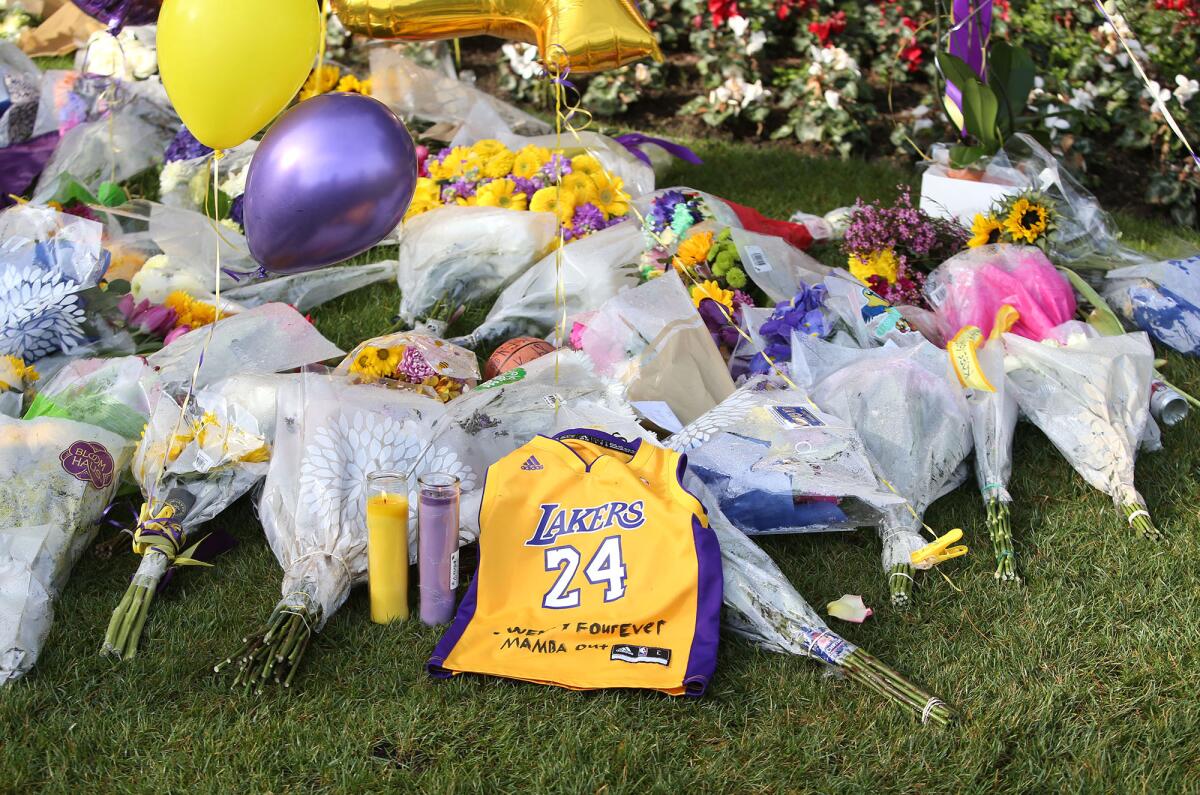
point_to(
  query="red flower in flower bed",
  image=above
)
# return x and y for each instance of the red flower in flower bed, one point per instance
(825, 31)
(722, 10)
(1188, 9)
(912, 55)
(784, 8)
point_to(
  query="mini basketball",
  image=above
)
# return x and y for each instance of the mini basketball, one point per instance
(515, 353)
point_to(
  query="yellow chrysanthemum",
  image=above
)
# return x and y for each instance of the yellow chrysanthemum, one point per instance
(488, 148)
(351, 85)
(581, 185)
(711, 289)
(419, 208)
(1026, 221)
(375, 362)
(460, 162)
(499, 165)
(530, 160)
(426, 190)
(611, 197)
(552, 200)
(880, 263)
(320, 81)
(694, 250)
(15, 374)
(986, 229)
(502, 193)
(189, 311)
(586, 164)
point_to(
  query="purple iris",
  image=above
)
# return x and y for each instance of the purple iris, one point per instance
(801, 315)
(184, 146)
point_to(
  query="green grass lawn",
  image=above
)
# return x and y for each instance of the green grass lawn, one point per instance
(1084, 680)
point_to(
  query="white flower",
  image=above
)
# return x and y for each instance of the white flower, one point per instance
(641, 73)
(236, 184)
(1083, 99)
(739, 25)
(523, 59)
(833, 99)
(1158, 95)
(124, 56)
(1056, 123)
(1039, 88)
(756, 42)
(158, 278)
(1185, 89)
(171, 175)
(835, 58)
(737, 92)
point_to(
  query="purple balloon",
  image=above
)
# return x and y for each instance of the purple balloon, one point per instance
(331, 178)
(119, 13)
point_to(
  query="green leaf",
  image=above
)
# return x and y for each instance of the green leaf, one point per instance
(955, 70)
(980, 107)
(223, 204)
(963, 156)
(1010, 74)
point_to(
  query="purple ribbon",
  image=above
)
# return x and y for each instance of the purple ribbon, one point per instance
(972, 28)
(20, 164)
(635, 141)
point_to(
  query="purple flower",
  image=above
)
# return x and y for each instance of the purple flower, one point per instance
(146, 317)
(801, 315)
(587, 219)
(184, 146)
(237, 210)
(413, 366)
(558, 167)
(525, 185)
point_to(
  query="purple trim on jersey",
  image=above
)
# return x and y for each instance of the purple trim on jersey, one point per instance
(466, 609)
(710, 593)
(679, 473)
(626, 446)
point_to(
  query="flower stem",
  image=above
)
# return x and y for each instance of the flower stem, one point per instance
(1140, 521)
(867, 670)
(900, 582)
(274, 652)
(999, 528)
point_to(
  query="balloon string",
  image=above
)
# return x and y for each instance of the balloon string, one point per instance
(187, 398)
(324, 36)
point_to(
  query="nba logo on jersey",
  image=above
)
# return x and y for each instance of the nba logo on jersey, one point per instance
(600, 572)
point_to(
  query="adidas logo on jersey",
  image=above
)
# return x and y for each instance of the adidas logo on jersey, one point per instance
(532, 464)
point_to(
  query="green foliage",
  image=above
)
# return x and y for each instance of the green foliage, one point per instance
(992, 109)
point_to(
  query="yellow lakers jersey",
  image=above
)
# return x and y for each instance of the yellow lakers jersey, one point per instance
(596, 569)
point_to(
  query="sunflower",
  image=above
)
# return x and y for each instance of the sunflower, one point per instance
(581, 185)
(987, 229)
(882, 263)
(611, 197)
(554, 200)
(529, 161)
(502, 193)
(1026, 221)
(712, 290)
(190, 312)
(586, 164)
(694, 250)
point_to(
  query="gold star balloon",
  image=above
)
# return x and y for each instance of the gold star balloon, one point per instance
(586, 35)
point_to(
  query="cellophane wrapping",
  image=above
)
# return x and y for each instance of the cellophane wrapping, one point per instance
(57, 476)
(330, 435)
(777, 464)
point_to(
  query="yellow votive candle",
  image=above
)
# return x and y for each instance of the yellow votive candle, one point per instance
(387, 556)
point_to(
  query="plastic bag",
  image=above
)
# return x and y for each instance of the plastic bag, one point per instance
(651, 339)
(1091, 397)
(115, 394)
(913, 419)
(56, 478)
(970, 288)
(777, 464)
(415, 92)
(452, 256)
(593, 270)
(428, 365)
(47, 259)
(268, 339)
(330, 435)
(1162, 299)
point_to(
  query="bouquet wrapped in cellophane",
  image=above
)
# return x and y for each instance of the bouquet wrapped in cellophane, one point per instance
(330, 435)
(193, 461)
(415, 361)
(762, 606)
(913, 420)
(777, 464)
(1091, 397)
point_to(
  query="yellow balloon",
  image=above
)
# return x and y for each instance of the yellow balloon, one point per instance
(230, 66)
(587, 35)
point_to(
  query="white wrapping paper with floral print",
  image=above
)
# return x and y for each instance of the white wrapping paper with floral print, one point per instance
(56, 478)
(329, 436)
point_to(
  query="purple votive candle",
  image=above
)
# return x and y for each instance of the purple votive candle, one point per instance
(437, 527)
